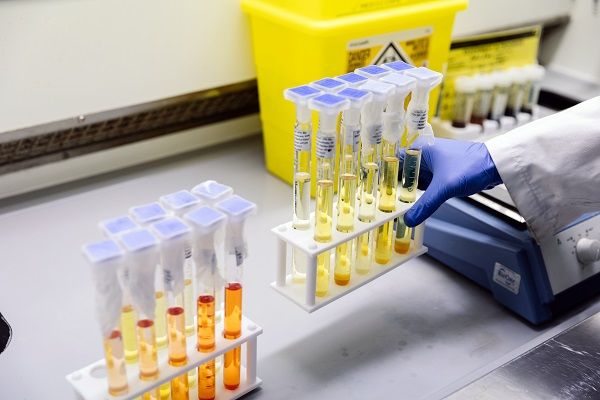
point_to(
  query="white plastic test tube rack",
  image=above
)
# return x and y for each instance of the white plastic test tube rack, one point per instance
(90, 382)
(304, 294)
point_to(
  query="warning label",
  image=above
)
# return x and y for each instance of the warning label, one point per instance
(410, 46)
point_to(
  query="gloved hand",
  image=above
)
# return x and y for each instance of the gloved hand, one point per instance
(451, 168)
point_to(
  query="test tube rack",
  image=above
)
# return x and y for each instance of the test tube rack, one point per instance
(89, 382)
(302, 240)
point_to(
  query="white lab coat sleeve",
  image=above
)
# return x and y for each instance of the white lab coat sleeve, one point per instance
(551, 167)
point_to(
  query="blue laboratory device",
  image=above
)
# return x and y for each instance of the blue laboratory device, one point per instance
(487, 241)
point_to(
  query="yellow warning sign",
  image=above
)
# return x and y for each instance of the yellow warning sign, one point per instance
(487, 53)
(411, 46)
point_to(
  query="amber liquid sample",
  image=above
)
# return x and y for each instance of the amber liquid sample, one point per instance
(160, 319)
(233, 310)
(233, 330)
(402, 242)
(383, 243)
(128, 318)
(114, 355)
(180, 389)
(231, 368)
(206, 323)
(206, 381)
(343, 263)
(176, 334)
(147, 350)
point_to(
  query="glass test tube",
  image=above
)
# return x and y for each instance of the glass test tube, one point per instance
(502, 82)
(174, 238)
(142, 257)
(416, 123)
(180, 203)
(329, 107)
(515, 93)
(387, 203)
(464, 92)
(482, 101)
(302, 157)
(145, 215)
(394, 119)
(371, 138)
(206, 223)
(348, 178)
(534, 73)
(106, 258)
(112, 228)
(237, 210)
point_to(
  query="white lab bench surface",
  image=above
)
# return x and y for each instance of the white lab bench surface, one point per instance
(420, 331)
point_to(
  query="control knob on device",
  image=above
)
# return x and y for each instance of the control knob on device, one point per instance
(588, 250)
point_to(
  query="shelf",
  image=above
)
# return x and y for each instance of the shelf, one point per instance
(90, 383)
(296, 292)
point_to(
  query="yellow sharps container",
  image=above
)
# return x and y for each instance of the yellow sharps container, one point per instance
(299, 41)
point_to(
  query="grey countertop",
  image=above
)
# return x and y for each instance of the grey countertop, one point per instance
(420, 331)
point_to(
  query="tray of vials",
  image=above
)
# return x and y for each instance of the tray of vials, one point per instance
(342, 244)
(160, 277)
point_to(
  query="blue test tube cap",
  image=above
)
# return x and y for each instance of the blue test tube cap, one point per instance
(353, 79)
(329, 85)
(300, 94)
(99, 252)
(329, 103)
(372, 71)
(137, 240)
(148, 213)
(397, 66)
(205, 219)
(179, 201)
(115, 226)
(212, 191)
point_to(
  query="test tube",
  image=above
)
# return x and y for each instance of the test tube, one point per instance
(112, 228)
(416, 122)
(371, 137)
(210, 193)
(302, 154)
(237, 210)
(142, 256)
(328, 106)
(329, 85)
(180, 203)
(106, 259)
(145, 215)
(348, 177)
(174, 237)
(205, 222)
(393, 135)
(534, 74)
(464, 92)
(515, 94)
(502, 82)
(484, 85)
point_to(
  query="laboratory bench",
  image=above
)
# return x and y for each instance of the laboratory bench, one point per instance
(420, 331)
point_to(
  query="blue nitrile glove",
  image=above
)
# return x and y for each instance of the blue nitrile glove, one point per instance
(451, 168)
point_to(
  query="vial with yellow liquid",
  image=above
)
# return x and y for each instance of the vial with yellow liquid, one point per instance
(106, 258)
(387, 203)
(328, 106)
(302, 164)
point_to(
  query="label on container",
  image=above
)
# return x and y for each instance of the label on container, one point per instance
(411, 46)
(301, 140)
(375, 134)
(507, 278)
(353, 137)
(417, 119)
(326, 146)
(188, 252)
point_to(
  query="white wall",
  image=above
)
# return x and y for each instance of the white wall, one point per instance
(576, 51)
(61, 58)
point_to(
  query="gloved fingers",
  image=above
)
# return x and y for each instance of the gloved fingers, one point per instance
(431, 200)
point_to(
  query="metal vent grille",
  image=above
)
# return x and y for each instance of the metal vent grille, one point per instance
(84, 134)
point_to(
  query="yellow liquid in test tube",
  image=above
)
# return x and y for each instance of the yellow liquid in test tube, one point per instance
(160, 319)
(410, 175)
(147, 350)
(128, 318)
(115, 364)
(364, 243)
(387, 203)
(402, 242)
(323, 230)
(345, 223)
